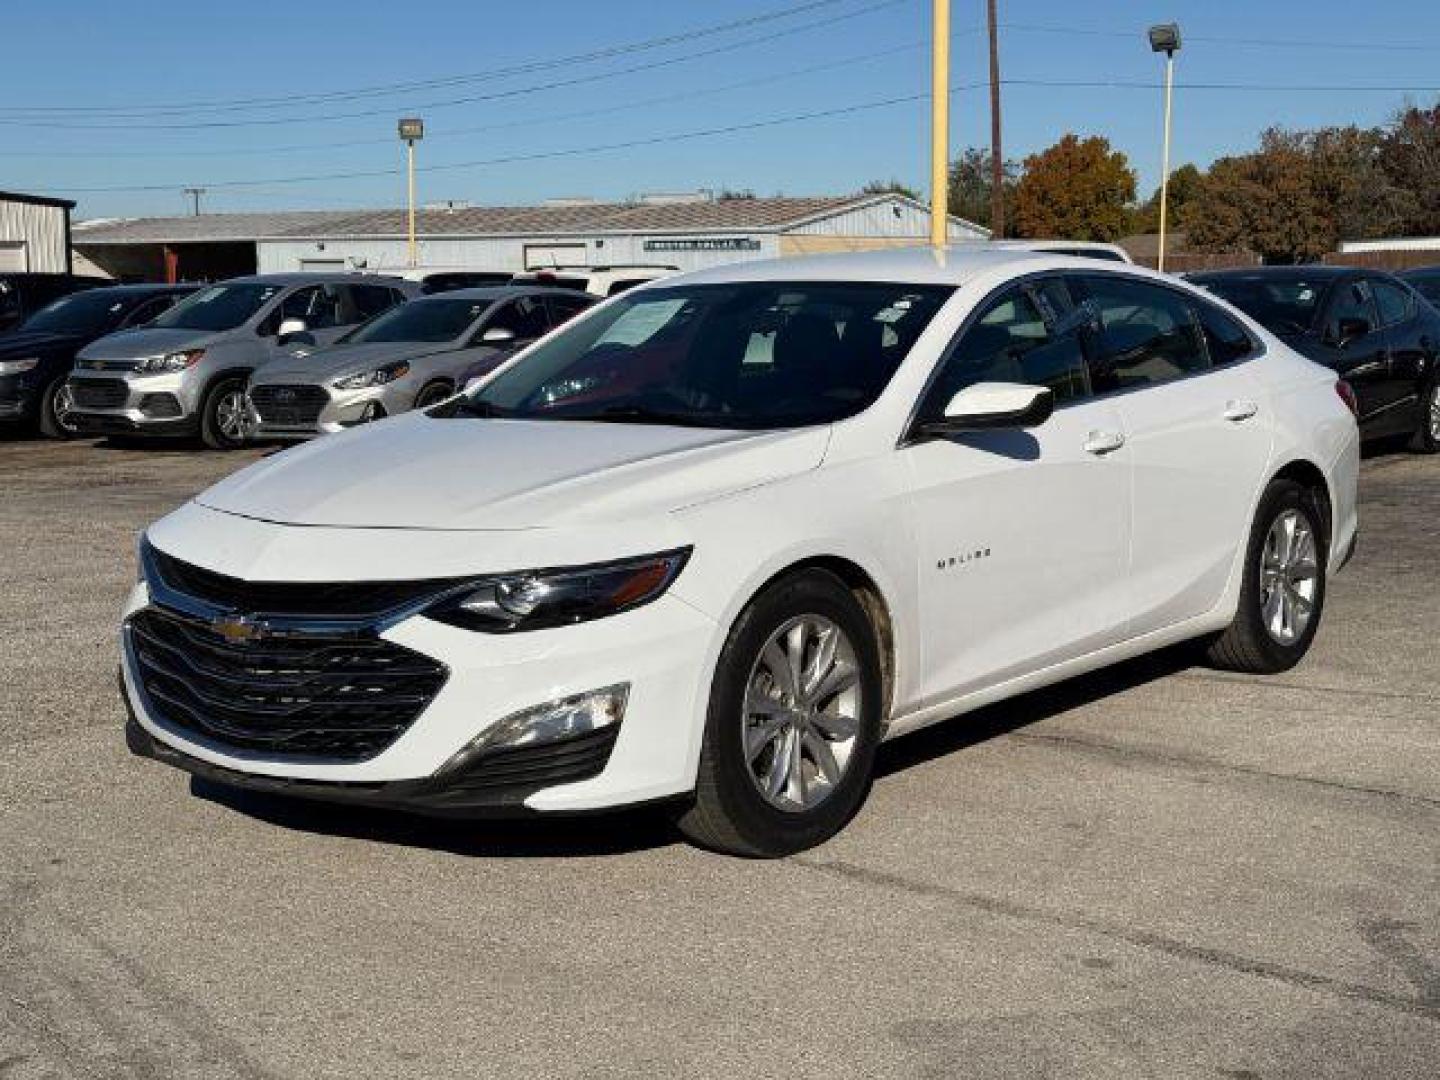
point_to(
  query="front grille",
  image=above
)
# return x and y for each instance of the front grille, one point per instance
(10, 388)
(339, 698)
(99, 393)
(311, 599)
(285, 404)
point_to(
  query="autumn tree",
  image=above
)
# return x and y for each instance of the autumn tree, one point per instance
(1410, 158)
(970, 185)
(1264, 202)
(889, 187)
(1184, 186)
(1078, 189)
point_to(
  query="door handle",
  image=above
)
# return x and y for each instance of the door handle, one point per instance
(1236, 411)
(1101, 443)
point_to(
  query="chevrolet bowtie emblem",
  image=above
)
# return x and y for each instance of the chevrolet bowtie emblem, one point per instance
(237, 629)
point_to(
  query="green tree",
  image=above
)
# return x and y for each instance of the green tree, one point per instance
(889, 187)
(1078, 189)
(1409, 157)
(970, 185)
(1185, 184)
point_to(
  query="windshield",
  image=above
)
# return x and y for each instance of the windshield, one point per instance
(219, 307)
(1283, 305)
(420, 320)
(748, 356)
(89, 312)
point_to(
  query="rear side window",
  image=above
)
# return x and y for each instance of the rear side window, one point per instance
(1395, 303)
(1011, 342)
(1224, 336)
(1147, 334)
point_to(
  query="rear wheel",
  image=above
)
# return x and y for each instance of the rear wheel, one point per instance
(57, 404)
(1283, 591)
(1427, 431)
(225, 421)
(432, 394)
(793, 723)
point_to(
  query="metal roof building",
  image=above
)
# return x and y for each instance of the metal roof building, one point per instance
(34, 233)
(687, 232)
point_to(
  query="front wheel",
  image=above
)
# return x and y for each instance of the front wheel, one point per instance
(432, 394)
(225, 421)
(57, 407)
(1427, 430)
(1283, 589)
(794, 719)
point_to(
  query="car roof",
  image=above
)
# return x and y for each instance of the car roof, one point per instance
(138, 287)
(1273, 273)
(919, 265)
(302, 278)
(1420, 271)
(496, 292)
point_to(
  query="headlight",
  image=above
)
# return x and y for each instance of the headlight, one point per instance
(175, 361)
(379, 377)
(18, 367)
(543, 598)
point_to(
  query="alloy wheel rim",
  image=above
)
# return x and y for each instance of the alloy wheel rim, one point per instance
(61, 406)
(1289, 577)
(802, 710)
(232, 416)
(1435, 413)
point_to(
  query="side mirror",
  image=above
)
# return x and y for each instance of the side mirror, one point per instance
(1350, 330)
(991, 405)
(497, 336)
(290, 328)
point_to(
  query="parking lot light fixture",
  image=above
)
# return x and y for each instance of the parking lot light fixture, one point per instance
(1165, 37)
(412, 130)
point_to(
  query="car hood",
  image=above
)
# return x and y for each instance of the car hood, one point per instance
(421, 472)
(131, 344)
(22, 343)
(345, 360)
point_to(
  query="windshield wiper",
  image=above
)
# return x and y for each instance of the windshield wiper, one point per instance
(640, 414)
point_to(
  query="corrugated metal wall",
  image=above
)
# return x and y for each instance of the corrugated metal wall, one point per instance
(894, 218)
(508, 253)
(41, 229)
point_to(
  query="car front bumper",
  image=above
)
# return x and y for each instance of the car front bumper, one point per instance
(342, 409)
(116, 402)
(662, 652)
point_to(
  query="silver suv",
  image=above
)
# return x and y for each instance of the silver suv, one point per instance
(185, 372)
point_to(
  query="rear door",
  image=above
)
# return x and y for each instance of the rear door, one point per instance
(1022, 535)
(1197, 431)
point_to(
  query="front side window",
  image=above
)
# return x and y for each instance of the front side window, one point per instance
(1012, 342)
(218, 307)
(754, 356)
(525, 318)
(436, 321)
(1351, 315)
(317, 306)
(1147, 334)
(371, 300)
(1395, 303)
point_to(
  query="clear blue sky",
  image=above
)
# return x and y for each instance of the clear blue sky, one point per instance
(61, 59)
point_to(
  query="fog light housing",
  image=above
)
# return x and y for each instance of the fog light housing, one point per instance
(555, 721)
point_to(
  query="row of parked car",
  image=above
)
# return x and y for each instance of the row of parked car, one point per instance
(272, 355)
(287, 356)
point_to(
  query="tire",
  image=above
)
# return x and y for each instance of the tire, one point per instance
(730, 812)
(1426, 439)
(55, 403)
(432, 394)
(218, 429)
(1260, 640)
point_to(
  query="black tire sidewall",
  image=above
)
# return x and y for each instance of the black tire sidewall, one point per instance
(1424, 442)
(45, 419)
(766, 829)
(1280, 496)
(440, 390)
(210, 432)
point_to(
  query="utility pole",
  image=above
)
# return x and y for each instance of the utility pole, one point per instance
(940, 126)
(997, 159)
(195, 193)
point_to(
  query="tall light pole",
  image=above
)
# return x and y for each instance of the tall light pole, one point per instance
(1165, 38)
(412, 130)
(940, 126)
(195, 193)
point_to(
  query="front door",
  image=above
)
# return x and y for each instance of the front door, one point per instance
(1196, 421)
(1352, 342)
(1022, 535)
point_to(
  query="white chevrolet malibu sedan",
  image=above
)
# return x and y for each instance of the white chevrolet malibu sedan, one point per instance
(715, 540)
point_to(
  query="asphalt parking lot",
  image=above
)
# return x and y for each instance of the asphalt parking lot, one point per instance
(1158, 871)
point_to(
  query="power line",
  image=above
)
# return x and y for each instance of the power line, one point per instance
(609, 52)
(497, 95)
(1268, 43)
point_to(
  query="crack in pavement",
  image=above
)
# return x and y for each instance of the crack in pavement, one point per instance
(1275, 684)
(1427, 1008)
(1215, 765)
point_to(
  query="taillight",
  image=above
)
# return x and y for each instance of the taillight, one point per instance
(1347, 395)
